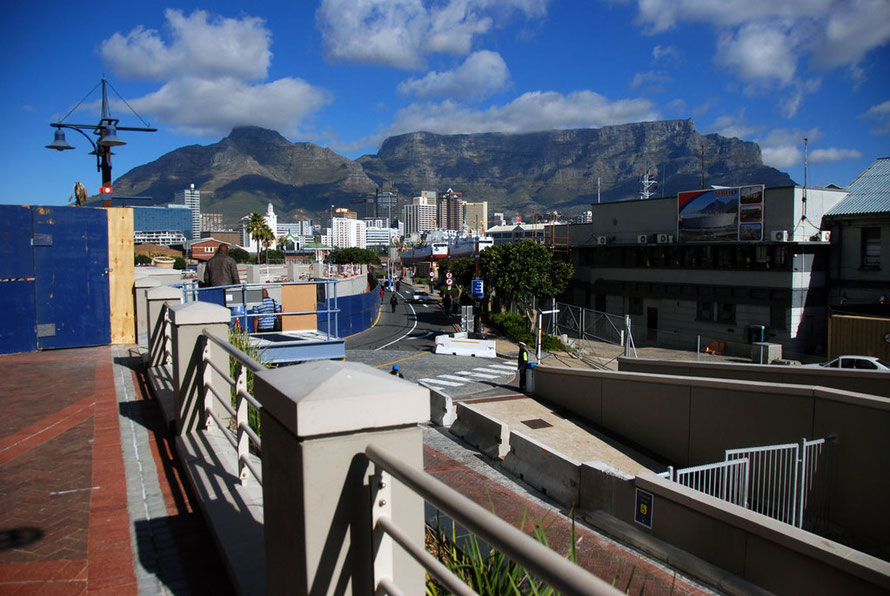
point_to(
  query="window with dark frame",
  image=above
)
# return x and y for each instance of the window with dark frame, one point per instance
(871, 248)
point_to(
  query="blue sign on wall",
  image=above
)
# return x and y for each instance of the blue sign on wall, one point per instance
(643, 513)
(477, 288)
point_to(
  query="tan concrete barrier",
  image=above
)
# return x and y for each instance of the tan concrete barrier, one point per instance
(442, 410)
(551, 472)
(604, 488)
(773, 555)
(860, 381)
(487, 434)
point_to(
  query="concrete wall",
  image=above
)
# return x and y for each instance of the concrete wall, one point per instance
(860, 381)
(773, 555)
(690, 421)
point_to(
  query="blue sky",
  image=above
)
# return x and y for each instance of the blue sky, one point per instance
(346, 74)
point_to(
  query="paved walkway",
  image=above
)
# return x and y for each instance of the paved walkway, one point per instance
(90, 496)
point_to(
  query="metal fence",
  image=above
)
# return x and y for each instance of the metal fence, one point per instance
(585, 327)
(785, 482)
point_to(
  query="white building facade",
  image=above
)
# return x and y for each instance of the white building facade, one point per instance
(191, 198)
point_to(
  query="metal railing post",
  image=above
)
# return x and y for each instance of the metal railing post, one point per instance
(241, 420)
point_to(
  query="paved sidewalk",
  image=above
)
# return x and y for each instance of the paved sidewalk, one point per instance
(90, 497)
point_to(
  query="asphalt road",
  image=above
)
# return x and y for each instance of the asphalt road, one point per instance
(407, 337)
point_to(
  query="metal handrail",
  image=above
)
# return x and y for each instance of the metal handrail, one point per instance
(538, 559)
(243, 400)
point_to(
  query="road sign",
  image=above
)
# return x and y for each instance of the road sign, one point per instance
(448, 275)
(448, 282)
(105, 190)
(476, 288)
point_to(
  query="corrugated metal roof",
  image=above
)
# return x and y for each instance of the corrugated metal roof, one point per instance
(869, 193)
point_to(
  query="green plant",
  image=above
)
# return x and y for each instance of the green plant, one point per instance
(143, 260)
(239, 254)
(179, 263)
(493, 573)
(240, 340)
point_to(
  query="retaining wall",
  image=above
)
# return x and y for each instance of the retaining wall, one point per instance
(691, 421)
(860, 381)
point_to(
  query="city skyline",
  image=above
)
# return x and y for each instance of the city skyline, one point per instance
(346, 75)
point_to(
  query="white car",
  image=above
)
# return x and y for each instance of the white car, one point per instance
(857, 362)
(420, 297)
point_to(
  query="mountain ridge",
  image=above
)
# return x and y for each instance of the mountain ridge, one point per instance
(527, 172)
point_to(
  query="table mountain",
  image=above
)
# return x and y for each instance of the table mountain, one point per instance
(529, 172)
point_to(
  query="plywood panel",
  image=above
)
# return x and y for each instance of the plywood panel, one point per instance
(298, 298)
(121, 275)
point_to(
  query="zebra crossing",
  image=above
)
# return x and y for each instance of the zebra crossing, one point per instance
(499, 369)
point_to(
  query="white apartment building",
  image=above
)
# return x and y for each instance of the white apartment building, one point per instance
(419, 217)
(347, 232)
(379, 235)
(191, 198)
(476, 217)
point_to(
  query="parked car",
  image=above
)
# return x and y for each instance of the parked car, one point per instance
(857, 362)
(420, 297)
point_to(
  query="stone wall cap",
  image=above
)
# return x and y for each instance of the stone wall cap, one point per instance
(146, 282)
(199, 313)
(163, 293)
(327, 397)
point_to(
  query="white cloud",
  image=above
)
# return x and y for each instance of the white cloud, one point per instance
(733, 125)
(660, 52)
(399, 33)
(481, 73)
(213, 73)
(881, 113)
(759, 52)
(199, 46)
(783, 148)
(534, 111)
(213, 107)
(764, 42)
(653, 79)
(833, 154)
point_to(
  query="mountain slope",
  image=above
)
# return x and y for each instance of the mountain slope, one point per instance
(528, 173)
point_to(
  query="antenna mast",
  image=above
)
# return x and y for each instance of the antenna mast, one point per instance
(650, 183)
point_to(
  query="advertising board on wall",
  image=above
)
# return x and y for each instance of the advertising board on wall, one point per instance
(721, 214)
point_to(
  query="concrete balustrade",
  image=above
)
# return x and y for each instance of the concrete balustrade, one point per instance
(191, 400)
(159, 351)
(140, 287)
(318, 486)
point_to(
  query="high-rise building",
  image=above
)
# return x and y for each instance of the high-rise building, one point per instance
(476, 217)
(387, 204)
(347, 233)
(211, 222)
(418, 218)
(191, 198)
(426, 197)
(449, 211)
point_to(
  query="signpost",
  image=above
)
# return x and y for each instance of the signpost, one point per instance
(477, 288)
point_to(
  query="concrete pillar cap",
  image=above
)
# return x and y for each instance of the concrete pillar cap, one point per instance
(163, 293)
(199, 313)
(146, 282)
(326, 397)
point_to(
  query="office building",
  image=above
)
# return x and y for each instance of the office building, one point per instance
(191, 198)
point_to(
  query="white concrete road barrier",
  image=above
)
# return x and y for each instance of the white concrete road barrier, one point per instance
(459, 344)
(549, 471)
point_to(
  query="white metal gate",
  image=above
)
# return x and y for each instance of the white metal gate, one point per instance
(775, 480)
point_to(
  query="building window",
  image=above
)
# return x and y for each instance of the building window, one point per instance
(871, 248)
(720, 312)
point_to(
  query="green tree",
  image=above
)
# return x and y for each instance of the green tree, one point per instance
(353, 255)
(239, 254)
(143, 260)
(462, 273)
(257, 228)
(519, 271)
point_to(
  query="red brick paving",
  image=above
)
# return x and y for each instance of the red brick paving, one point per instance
(600, 556)
(64, 524)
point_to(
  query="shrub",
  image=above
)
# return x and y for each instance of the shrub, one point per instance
(239, 254)
(143, 260)
(179, 263)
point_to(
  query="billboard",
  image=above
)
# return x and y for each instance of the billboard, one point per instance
(721, 215)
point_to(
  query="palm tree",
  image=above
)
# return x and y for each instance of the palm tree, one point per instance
(267, 237)
(256, 223)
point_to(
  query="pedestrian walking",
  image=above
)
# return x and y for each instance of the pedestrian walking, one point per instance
(381, 294)
(522, 364)
(221, 269)
(266, 313)
(393, 302)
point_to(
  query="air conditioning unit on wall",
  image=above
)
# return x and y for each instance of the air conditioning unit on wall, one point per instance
(665, 238)
(779, 235)
(642, 239)
(601, 240)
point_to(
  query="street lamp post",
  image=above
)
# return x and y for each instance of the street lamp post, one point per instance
(106, 130)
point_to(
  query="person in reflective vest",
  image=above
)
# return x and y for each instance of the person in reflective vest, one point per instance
(522, 364)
